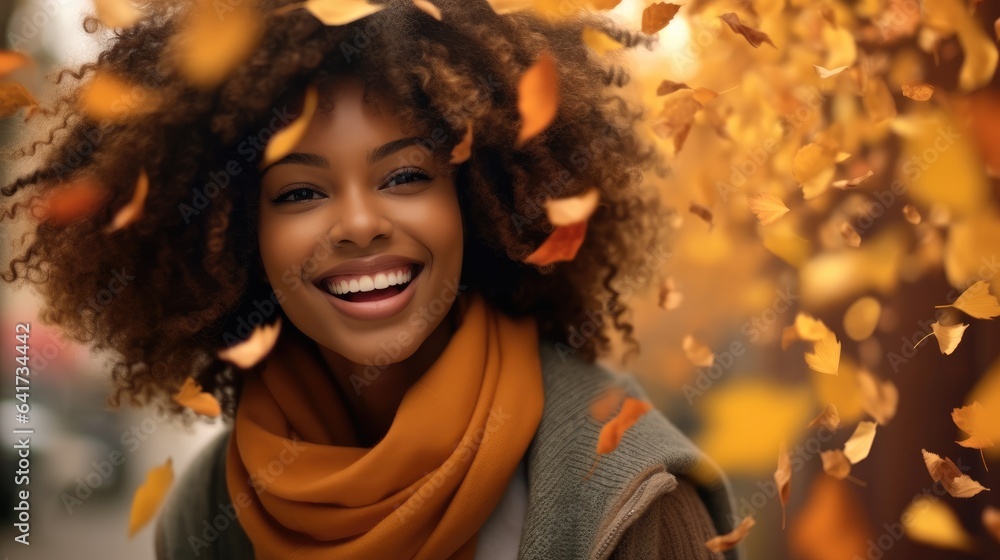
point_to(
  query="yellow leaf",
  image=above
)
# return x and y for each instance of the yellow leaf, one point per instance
(810, 328)
(880, 398)
(133, 210)
(813, 167)
(428, 8)
(699, 354)
(285, 140)
(725, 542)
(783, 478)
(826, 73)
(537, 97)
(929, 520)
(948, 336)
(571, 210)
(848, 183)
(878, 101)
(599, 41)
(835, 464)
(861, 318)
(117, 13)
(677, 117)
(252, 350)
(859, 444)
(229, 39)
(767, 207)
(918, 91)
(977, 301)
(149, 496)
(106, 96)
(825, 357)
(945, 471)
(828, 418)
(334, 12)
(191, 396)
(982, 425)
(463, 150)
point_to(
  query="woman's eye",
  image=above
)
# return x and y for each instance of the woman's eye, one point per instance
(405, 177)
(298, 195)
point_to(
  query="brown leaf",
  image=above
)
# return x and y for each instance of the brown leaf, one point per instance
(191, 396)
(835, 464)
(428, 8)
(133, 210)
(561, 245)
(675, 120)
(572, 210)
(829, 418)
(701, 212)
(463, 150)
(285, 140)
(753, 36)
(944, 470)
(656, 16)
(537, 97)
(254, 349)
(918, 91)
(149, 496)
(911, 214)
(667, 87)
(725, 542)
(783, 478)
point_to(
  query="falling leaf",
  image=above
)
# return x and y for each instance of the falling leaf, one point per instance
(334, 12)
(607, 403)
(725, 542)
(825, 357)
(911, 214)
(810, 328)
(880, 398)
(753, 36)
(11, 61)
(859, 444)
(832, 524)
(825, 73)
(285, 140)
(14, 97)
(699, 354)
(561, 245)
(929, 520)
(107, 96)
(537, 97)
(835, 464)
(828, 418)
(945, 471)
(848, 183)
(977, 302)
(878, 101)
(677, 117)
(117, 13)
(948, 336)
(599, 41)
(667, 87)
(133, 210)
(670, 298)
(191, 396)
(656, 16)
(850, 235)
(813, 167)
(229, 39)
(783, 478)
(701, 212)
(767, 207)
(73, 201)
(463, 150)
(572, 210)
(861, 318)
(918, 91)
(991, 515)
(611, 434)
(149, 496)
(254, 349)
(428, 8)
(981, 424)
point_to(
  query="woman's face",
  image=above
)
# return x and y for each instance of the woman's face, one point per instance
(361, 232)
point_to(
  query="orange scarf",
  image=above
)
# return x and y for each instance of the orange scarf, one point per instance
(421, 492)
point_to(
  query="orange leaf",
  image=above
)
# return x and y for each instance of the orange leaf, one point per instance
(725, 542)
(656, 16)
(668, 86)
(611, 434)
(107, 96)
(783, 478)
(149, 496)
(252, 350)
(754, 37)
(14, 97)
(334, 12)
(918, 91)
(76, 200)
(991, 516)
(11, 61)
(835, 464)
(463, 150)
(561, 245)
(191, 396)
(607, 403)
(117, 13)
(537, 97)
(133, 210)
(229, 39)
(285, 140)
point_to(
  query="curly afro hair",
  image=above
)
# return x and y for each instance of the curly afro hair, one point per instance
(191, 265)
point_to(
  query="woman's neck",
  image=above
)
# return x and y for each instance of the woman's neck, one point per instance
(372, 393)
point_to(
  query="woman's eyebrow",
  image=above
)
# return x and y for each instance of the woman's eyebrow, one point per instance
(390, 148)
(312, 160)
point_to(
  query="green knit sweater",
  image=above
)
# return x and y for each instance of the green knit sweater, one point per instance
(639, 503)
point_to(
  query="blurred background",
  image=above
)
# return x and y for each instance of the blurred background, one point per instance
(876, 122)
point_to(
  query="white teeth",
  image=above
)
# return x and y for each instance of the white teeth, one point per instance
(391, 278)
(381, 281)
(368, 283)
(354, 286)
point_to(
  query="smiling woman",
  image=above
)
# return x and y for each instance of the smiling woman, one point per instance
(427, 395)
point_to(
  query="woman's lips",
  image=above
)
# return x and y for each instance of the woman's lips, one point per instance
(377, 309)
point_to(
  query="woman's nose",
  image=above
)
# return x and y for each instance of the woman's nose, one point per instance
(359, 218)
